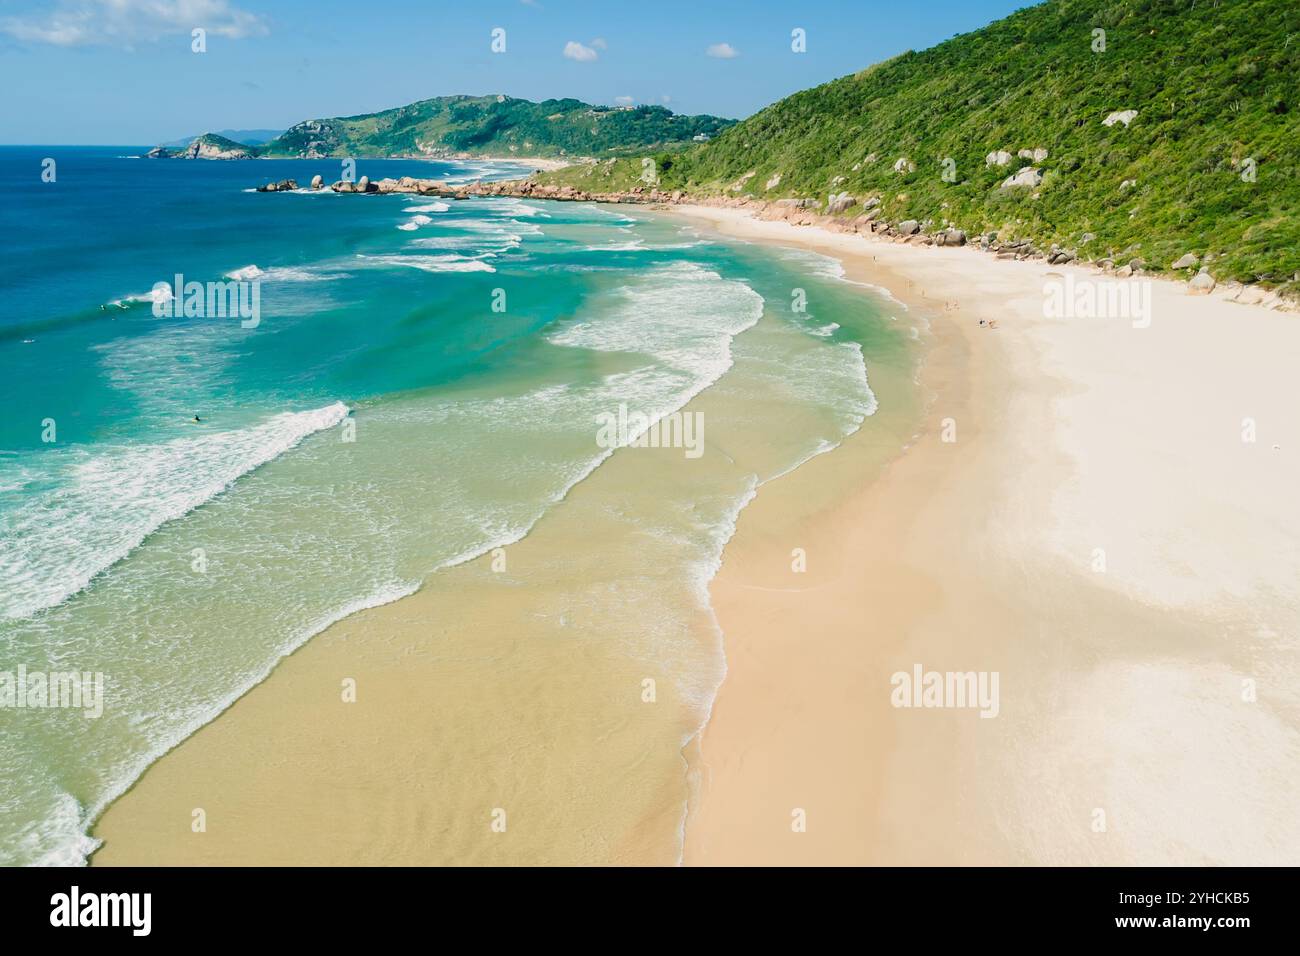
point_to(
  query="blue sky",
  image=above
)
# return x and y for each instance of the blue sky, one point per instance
(122, 71)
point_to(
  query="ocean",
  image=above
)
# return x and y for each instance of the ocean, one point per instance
(424, 382)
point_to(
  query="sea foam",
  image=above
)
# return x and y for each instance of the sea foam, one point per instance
(102, 504)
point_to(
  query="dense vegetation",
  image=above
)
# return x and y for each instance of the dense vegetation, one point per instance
(1208, 165)
(495, 125)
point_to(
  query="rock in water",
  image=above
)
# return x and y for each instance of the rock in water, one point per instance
(317, 181)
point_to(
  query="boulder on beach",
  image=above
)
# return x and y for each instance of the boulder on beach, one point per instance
(909, 227)
(1187, 261)
(1202, 283)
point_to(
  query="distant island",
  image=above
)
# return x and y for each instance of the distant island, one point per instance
(447, 126)
(207, 146)
(244, 137)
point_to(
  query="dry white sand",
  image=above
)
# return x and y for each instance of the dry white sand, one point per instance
(1115, 530)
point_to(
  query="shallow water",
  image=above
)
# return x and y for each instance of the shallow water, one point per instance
(425, 382)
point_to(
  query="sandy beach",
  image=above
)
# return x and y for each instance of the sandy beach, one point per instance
(1077, 513)
(1103, 530)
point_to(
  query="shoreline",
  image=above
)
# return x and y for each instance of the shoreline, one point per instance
(795, 213)
(978, 555)
(737, 812)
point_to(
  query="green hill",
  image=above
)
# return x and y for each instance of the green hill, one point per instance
(497, 126)
(207, 146)
(1207, 165)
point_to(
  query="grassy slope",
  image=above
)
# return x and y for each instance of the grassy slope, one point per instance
(1213, 85)
(488, 125)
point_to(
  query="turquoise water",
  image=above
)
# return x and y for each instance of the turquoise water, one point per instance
(422, 385)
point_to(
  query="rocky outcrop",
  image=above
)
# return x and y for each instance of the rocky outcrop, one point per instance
(317, 181)
(998, 157)
(839, 203)
(904, 165)
(1028, 177)
(1187, 261)
(207, 146)
(364, 185)
(1120, 116)
(1035, 155)
(205, 149)
(283, 186)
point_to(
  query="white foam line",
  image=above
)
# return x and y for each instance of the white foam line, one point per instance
(104, 506)
(86, 844)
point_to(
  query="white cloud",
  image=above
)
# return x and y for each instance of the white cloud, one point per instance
(576, 51)
(723, 51)
(624, 100)
(126, 22)
(599, 43)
